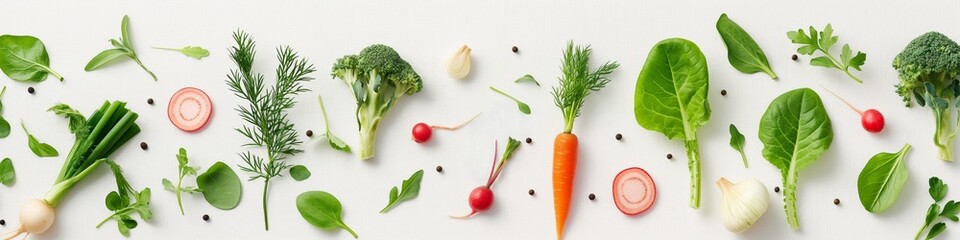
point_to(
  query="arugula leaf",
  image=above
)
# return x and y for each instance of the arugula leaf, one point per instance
(822, 41)
(190, 51)
(38, 148)
(742, 51)
(299, 172)
(410, 188)
(881, 180)
(122, 48)
(322, 210)
(120, 203)
(736, 142)
(25, 59)
(334, 141)
(527, 78)
(524, 108)
(7, 173)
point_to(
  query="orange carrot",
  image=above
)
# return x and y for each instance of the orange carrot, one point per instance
(564, 169)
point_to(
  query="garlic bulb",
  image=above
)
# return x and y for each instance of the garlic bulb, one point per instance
(458, 65)
(743, 203)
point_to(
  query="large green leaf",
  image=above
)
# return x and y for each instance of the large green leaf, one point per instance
(742, 51)
(881, 180)
(221, 186)
(24, 58)
(795, 131)
(671, 98)
(323, 210)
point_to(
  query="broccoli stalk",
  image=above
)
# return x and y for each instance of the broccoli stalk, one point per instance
(928, 69)
(378, 78)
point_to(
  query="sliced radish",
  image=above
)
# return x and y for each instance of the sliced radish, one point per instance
(634, 191)
(189, 109)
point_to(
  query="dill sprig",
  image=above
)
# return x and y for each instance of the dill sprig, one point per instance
(265, 112)
(577, 82)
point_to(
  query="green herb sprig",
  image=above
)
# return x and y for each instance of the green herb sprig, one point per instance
(122, 48)
(950, 210)
(577, 82)
(822, 41)
(184, 170)
(120, 203)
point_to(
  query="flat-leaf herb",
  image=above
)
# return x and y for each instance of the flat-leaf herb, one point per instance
(409, 189)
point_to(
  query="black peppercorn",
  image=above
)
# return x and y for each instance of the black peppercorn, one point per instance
(669, 156)
(439, 169)
(206, 217)
(31, 90)
(776, 189)
(619, 136)
(794, 57)
(723, 92)
(4, 222)
(530, 192)
(515, 49)
(592, 197)
(529, 140)
(309, 133)
(836, 201)
(150, 101)
(143, 145)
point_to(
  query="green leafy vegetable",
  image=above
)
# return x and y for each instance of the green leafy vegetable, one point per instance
(795, 131)
(220, 186)
(184, 170)
(24, 58)
(742, 51)
(190, 51)
(268, 125)
(736, 142)
(334, 141)
(364, 74)
(524, 108)
(950, 210)
(671, 98)
(881, 180)
(928, 69)
(299, 172)
(527, 78)
(4, 125)
(409, 189)
(823, 41)
(122, 48)
(38, 148)
(322, 210)
(7, 173)
(120, 203)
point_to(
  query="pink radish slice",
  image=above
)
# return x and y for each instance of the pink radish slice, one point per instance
(189, 109)
(634, 191)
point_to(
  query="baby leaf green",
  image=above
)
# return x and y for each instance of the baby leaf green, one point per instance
(736, 142)
(527, 78)
(38, 148)
(299, 172)
(25, 59)
(322, 210)
(221, 186)
(742, 51)
(795, 131)
(122, 47)
(7, 173)
(4, 125)
(881, 180)
(524, 108)
(410, 188)
(334, 141)
(671, 98)
(190, 51)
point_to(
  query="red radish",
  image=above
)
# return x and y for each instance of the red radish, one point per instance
(481, 198)
(871, 119)
(422, 132)
(189, 109)
(634, 191)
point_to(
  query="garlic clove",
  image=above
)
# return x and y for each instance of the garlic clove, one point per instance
(743, 203)
(458, 65)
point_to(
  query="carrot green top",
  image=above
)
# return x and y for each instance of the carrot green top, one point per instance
(577, 82)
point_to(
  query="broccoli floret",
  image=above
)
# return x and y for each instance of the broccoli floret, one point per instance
(928, 69)
(378, 77)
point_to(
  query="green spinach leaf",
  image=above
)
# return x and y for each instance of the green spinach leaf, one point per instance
(7, 173)
(299, 172)
(409, 189)
(736, 142)
(742, 51)
(220, 186)
(881, 180)
(795, 131)
(25, 59)
(671, 98)
(39, 148)
(322, 210)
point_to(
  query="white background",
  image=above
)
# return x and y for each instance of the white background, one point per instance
(426, 33)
